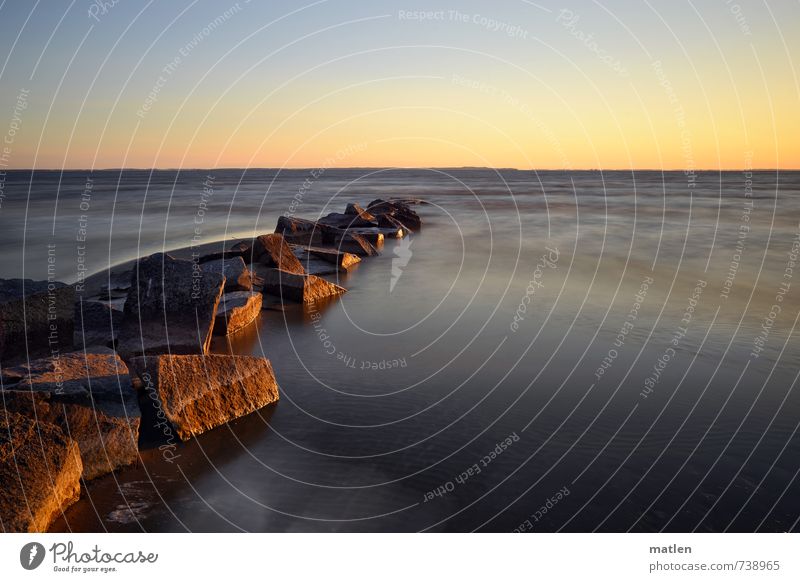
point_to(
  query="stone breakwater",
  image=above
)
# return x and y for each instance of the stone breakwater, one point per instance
(89, 379)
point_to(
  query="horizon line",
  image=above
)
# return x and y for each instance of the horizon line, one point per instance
(295, 168)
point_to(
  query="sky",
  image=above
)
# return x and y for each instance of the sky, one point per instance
(336, 83)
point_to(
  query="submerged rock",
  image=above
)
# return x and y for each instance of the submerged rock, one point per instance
(198, 393)
(237, 275)
(171, 306)
(36, 318)
(273, 251)
(89, 396)
(237, 310)
(40, 471)
(299, 288)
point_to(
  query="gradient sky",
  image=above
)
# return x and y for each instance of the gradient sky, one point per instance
(658, 84)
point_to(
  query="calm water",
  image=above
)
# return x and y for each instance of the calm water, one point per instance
(620, 367)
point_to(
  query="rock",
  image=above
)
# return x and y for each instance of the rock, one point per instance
(171, 306)
(312, 265)
(96, 324)
(272, 250)
(299, 288)
(288, 225)
(388, 221)
(341, 259)
(353, 243)
(345, 221)
(40, 471)
(409, 201)
(240, 249)
(117, 286)
(221, 255)
(397, 209)
(356, 209)
(302, 231)
(237, 310)
(198, 393)
(89, 396)
(237, 275)
(43, 309)
(374, 235)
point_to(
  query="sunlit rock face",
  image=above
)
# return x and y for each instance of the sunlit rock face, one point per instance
(197, 393)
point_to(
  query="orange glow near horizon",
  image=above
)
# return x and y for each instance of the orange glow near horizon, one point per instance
(440, 94)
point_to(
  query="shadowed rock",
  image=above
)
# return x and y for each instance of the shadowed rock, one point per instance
(40, 471)
(237, 275)
(220, 255)
(198, 393)
(299, 288)
(390, 222)
(89, 396)
(237, 310)
(243, 247)
(291, 226)
(171, 306)
(96, 324)
(345, 221)
(397, 209)
(273, 251)
(36, 318)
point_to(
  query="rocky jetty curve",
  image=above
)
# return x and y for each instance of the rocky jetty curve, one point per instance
(85, 376)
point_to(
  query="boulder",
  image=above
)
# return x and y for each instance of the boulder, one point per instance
(341, 259)
(96, 324)
(374, 235)
(273, 251)
(198, 393)
(399, 210)
(40, 472)
(117, 286)
(237, 310)
(170, 307)
(356, 209)
(302, 231)
(289, 226)
(388, 221)
(345, 221)
(36, 318)
(352, 243)
(237, 275)
(299, 288)
(221, 255)
(311, 265)
(89, 396)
